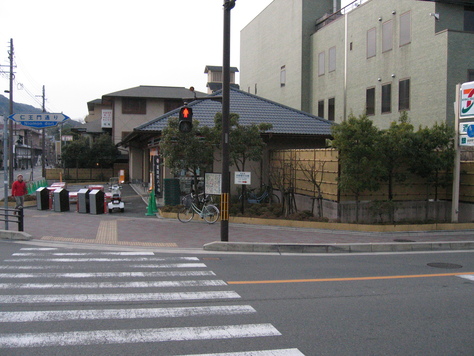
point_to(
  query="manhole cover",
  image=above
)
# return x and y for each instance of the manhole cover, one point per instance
(403, 240)
(444, 265)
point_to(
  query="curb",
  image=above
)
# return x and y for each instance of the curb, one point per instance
(338, 248)
(14, 235)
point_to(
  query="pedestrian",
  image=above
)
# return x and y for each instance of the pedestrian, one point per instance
(18, 191)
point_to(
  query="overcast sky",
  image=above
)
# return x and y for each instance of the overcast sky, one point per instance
(81, 50)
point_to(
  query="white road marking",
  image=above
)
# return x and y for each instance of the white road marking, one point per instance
(136, 335)
(132, 297)
(39, 248)
(467, 276)
(175, 265)
(280, 352)
(143, 313)
(144, 284)
(97, 259)
(144, 253)
(108, 274)
(36, 267)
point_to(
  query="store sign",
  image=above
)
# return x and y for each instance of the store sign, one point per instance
(106, 120)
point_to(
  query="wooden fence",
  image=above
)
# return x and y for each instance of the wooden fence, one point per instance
(303, 170)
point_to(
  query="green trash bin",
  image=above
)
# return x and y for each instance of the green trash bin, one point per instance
(172, 191)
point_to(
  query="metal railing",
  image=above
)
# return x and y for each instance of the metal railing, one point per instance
(15, 216)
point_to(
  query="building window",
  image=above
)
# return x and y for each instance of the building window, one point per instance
(216, 77)
(404, 95)
(469, 18)
(371, 43)
(386, 98)
(331, 109)
(172, 104)
(282, 76)
(370, 101)
(321, 63)
(133, 106)
(470, 75)
(387, 36)
(332, 59)
(321, 108)
(405, 28)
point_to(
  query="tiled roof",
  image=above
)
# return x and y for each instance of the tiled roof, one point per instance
(157, 92)
(218, 69)
(251, 109)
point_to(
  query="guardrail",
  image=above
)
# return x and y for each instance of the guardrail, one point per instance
(15, 216)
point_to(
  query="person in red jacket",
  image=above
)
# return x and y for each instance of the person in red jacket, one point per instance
(18, 191)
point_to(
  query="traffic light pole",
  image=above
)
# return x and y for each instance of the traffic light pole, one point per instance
(225, 189)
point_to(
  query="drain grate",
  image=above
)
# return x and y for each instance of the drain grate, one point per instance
(444, 265)
(403, 240)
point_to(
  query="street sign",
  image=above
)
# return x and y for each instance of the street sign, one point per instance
(41, 120)
(467, 101)
(243, 178)
(466, 133)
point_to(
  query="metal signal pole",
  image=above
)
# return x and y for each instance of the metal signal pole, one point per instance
(225, 191)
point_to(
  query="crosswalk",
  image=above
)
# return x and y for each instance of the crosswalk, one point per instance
(54, 299)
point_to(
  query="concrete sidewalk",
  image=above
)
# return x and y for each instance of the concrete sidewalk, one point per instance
(134, 229)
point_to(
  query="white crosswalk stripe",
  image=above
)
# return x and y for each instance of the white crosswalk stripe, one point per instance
(41, 269)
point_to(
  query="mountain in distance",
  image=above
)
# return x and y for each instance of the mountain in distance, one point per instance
(18, 108)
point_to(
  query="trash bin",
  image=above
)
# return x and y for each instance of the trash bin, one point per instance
(42, 198)
(172, 191)
(83, 203)
(96, 201)
(60, 200)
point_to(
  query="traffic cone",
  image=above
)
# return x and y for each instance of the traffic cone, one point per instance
(152, 210)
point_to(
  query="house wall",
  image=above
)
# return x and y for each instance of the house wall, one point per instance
(280, 36)
(435, 60)
(125, 123)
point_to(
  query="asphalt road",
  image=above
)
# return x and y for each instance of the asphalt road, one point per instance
(142, 302)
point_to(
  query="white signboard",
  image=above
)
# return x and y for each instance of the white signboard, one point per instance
(242, 178)
(466, 134)
(106, 118)
(213, 183)
(467, 100)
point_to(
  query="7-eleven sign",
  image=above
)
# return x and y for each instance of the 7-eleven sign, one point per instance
(467, 100)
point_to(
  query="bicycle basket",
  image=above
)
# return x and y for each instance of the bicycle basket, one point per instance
(187, 200)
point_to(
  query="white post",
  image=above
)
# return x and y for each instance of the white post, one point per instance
(457, 160)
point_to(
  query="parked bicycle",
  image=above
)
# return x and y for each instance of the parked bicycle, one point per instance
(191, 202)
(266, 197)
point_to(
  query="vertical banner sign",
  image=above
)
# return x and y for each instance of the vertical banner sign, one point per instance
(106, 118)
(157, 175)
(467, 101)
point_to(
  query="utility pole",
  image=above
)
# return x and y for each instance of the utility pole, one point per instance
(43, 144)
(225, 191)
(10, 123)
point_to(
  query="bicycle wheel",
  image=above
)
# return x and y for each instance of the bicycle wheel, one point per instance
(185, 214)
(274, 199)
(210, 213)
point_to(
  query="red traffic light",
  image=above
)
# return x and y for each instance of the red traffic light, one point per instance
(185, 119)
(185, 113)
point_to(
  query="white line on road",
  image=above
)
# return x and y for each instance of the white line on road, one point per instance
(280, 352)
(128, 297)
(467, 276)
(144, 253)
(143, 313)
(108, 274)
(98, 259)
(144, 284)
(137, 335)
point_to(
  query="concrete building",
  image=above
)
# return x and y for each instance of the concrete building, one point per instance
(379, 57)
